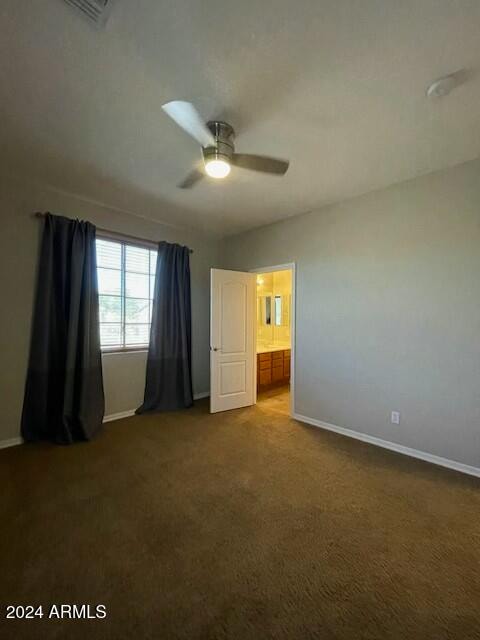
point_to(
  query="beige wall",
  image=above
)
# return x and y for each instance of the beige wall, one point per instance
(388, 310)
(124, 374)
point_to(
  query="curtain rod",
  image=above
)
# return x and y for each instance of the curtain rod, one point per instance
(109, 232)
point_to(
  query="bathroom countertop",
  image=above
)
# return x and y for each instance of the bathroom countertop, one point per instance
(269, 349)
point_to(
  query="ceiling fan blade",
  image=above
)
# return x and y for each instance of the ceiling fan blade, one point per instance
(188, 118)
(260, 163)
(191, 180)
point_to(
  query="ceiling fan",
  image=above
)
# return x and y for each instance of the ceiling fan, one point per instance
(216, 139)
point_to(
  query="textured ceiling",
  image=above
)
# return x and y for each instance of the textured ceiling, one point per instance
(336, 86)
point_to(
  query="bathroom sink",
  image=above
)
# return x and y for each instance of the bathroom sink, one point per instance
(272, 347)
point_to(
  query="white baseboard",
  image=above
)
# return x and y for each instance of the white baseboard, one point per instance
(11, 442)
(119, 416)
(131, 412)
(386, 444)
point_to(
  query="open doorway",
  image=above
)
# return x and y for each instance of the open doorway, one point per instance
(275, 332)
(252, 339)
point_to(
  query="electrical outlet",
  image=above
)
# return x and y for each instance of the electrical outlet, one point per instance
(395, 417)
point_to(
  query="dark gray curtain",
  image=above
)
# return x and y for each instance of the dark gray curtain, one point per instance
(64, 389)
(169, 365)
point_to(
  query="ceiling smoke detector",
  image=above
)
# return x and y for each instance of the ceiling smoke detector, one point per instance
(95, 11)
(442, 87)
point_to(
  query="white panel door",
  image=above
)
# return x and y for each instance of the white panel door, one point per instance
(232, 340)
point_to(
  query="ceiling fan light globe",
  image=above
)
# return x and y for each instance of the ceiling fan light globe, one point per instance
(217, 168)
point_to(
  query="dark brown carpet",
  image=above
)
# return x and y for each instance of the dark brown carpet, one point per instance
(244, 525)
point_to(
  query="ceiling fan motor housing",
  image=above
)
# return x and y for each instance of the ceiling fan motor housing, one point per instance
(223, 149)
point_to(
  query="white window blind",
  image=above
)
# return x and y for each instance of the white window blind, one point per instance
(126, 279)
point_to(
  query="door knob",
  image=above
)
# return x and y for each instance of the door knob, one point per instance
(214, 349)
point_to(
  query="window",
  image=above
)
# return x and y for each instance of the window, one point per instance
(126, 278)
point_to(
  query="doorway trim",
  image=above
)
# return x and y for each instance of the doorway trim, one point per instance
(287, 266)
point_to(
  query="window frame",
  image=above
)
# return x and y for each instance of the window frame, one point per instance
(125, 241)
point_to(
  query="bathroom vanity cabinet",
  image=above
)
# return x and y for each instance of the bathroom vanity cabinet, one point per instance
(273, 368)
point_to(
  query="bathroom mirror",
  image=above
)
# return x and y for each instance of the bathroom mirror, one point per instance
(265, 309)
(282, 310)
(268, 309)
(278, 311)
(274, 310)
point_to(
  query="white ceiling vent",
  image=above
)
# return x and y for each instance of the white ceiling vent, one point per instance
(96, 11)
